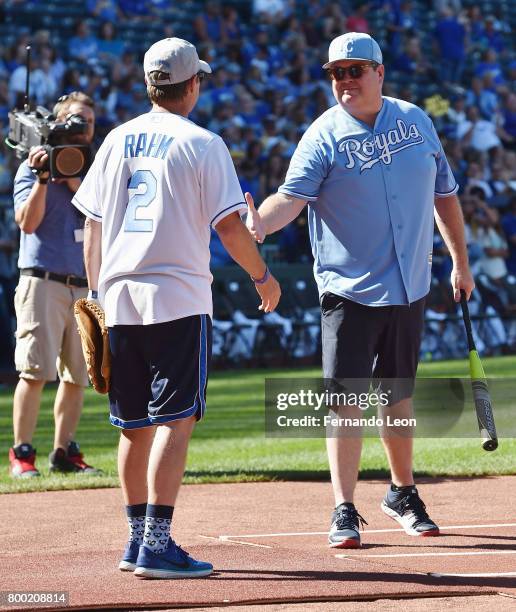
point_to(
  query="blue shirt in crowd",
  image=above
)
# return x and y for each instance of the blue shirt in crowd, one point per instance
(451, 36)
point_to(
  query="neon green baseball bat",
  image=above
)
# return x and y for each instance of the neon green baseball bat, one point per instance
(481, 395)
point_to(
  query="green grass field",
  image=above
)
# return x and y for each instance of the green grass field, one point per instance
(229, 445)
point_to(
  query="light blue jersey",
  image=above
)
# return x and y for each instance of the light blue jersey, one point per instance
(371, 201)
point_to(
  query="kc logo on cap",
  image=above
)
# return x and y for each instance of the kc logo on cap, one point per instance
(354, 46)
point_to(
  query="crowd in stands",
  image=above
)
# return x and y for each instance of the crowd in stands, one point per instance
(455, 58)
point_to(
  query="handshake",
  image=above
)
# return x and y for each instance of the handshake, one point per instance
(254, 222)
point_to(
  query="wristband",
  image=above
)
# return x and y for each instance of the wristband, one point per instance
(263, 279)
(38, 172)
(93, 294)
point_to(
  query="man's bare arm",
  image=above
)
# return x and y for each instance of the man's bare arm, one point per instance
(275, 212)
(30, 215)
(449, 219)
(279, 210)
(92, 251)
(239, 244)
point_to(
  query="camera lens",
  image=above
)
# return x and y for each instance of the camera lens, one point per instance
(69, 161)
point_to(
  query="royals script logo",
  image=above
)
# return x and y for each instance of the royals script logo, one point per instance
(382, 147)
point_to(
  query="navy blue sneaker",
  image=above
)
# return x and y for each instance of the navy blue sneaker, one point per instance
(173, 563)
(128, 563)
(345, 525)
(411, 514)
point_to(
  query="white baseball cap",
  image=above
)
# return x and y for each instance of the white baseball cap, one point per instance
(354, 45)
(174, 56)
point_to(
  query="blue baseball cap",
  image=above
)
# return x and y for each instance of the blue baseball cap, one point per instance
(354, 46)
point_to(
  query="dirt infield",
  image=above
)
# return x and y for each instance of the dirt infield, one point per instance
(429, 604)
(267, 542)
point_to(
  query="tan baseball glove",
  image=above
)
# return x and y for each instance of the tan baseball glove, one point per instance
(95, 343)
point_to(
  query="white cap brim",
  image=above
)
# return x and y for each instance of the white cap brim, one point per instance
(205, 67)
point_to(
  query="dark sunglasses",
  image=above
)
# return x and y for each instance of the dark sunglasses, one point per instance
(355, 71)
(201, 75)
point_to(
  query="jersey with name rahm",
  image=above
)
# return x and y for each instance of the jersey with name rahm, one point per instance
(157, 184)
(371, 201)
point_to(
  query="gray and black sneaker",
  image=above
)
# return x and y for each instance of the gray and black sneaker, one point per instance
(410, 512)
(345, 525)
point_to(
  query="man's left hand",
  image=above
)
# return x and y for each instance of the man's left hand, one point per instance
(270, 293)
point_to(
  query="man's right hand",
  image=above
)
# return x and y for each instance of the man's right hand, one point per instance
(270, 293)
(253, 222)
(37, 159)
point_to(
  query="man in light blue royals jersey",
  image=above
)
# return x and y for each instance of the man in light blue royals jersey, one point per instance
(374, 173)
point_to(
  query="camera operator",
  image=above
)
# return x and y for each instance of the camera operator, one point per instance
(52, 278)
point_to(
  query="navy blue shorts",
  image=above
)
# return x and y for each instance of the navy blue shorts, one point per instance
(159, 372)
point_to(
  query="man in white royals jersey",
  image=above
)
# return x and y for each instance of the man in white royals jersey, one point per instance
(156, 186)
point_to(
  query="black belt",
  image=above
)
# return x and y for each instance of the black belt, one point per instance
(66, 279)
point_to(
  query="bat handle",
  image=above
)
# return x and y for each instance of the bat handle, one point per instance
(467, 319)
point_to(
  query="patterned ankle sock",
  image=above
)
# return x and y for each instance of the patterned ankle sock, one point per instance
(349, 505)
(157, 527)
(136, 521)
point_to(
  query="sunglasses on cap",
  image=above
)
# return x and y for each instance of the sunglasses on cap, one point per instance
(355, 71)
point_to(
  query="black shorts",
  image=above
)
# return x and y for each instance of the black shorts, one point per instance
(365, 343)
(159, 372)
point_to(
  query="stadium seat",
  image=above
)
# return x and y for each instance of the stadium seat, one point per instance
(300, 304)
(259, 337)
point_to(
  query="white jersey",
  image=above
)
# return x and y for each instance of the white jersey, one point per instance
(157, 184)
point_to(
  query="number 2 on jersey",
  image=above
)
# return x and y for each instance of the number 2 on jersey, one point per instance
(140, 200)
